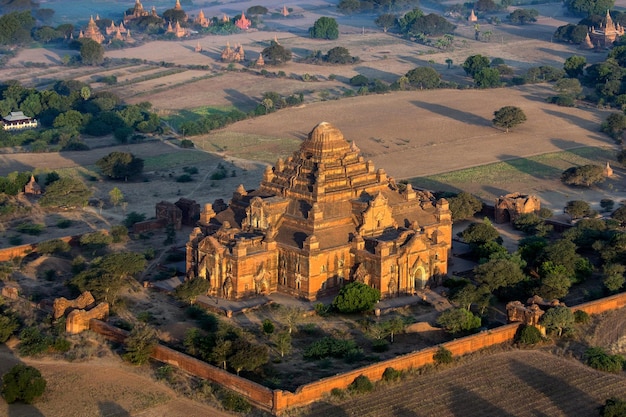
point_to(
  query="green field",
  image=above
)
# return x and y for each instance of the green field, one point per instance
(246, 146)
(546, 166)
(192, 115)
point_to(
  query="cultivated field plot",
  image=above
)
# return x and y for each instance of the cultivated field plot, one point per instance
(510, 384)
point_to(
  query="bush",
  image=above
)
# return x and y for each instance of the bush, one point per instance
(133, 217)
(53, 246)
(380, 345)
(598, 359)
(8, 326)
(581, 317)
(528, 335)
(613, 407)
(184, 178)
(361, 385)
(235, 402)
(267, 326)
(140, 344)
(329, 347)
(391, 374)
(119, 233)
(186, 144)
(33, 342)
(32, 229)
(22, 383)
(443, 356)
(64, 223)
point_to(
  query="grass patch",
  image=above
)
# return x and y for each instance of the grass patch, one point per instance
(170, 160)
(193, 115)
(546, 166)
(249, 146)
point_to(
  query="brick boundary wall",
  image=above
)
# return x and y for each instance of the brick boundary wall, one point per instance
(8, 254)
(278, 401)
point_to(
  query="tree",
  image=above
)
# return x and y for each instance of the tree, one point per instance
(487, 78)
(430, 25)
(291, 316)
(499, 273)
(574, 66)
(394, 326)
(614, 276)
(386, 21)
(508, 117)
(584, 176)
(66, 192)
(221, 351)
(464, 205)
(22, 383)
(558, 319)
(140, 344)
(479, 233)
(356, 297)
(443, 356)
(589, 7)
(475, 63)
(359, 80)
(349, 6)
(338, 55)
(190, 289)
(91, 52)
(555, 281)
(276, 54)
(282, 340)
(257, 10)
(456, 320)
(523, 16)
(597, 358)
(8, 326)
(424, 77)
(118, 165)
(568, 87)
(614, 126)
(116, 196)
(248, 356)
(577, 209)
(324, 28)
(613, 407)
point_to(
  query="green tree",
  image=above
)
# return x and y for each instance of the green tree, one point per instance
(614, 276)
(53, 246)
(528, 335)
(91, 52)
(558, 320)
(338, 55)
(356, 297)
(22, 383)
(248, 356)
(386, 21)
(349, 6)
(499, 273)
(190, 289)
(424, 77)
(464, 205)
(597, 358)
(116, 196)
(118, 165)
(324, 28)
(574, 66)
(221, 351)
(456, 320)
(282, 341)
(443, 356)
(568, 87)
(66, 192)
(589, 7)
(394, 326)
(508, 117)
(614, 126)
(555, 281)
(430, 25)
(523, 16)
(473, 64)
(584, 176)
(613, 407)
(276, 54)
(479, 233)
(578, 209)
(8, 327)
(140, 344)
(487, 78)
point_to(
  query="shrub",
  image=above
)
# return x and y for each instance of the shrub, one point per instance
(338, 393)
(132, 218)
(361, 385)
(267, 326)
(529, 335)
(140, 344)
(613, 407)
(31, 228)
(443, 356)
(22, 383)
(53, 246)
(322, 309)
(581, 317)
(190, 170)
(598, 359)
(327, 347)
(119, 233)
(184, 178)
(235, 402)
(186, 144)
(380, 345)
(64, 223)
(8, 326)
(391, 374)
(33, 341)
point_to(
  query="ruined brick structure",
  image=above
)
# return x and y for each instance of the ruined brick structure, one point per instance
(511, 206)
(62, 305)
(320, 218)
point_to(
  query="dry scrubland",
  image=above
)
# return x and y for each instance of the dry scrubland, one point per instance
(409, 134)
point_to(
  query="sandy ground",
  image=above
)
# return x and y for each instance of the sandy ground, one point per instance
(100, 387)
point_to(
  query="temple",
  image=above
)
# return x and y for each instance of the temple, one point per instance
(319, 219)
(243, 23)
(235, 54)
(136, 12)
(201, 20)
(92, 32)
(606, 34)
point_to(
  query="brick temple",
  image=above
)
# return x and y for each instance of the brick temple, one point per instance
(319, 219)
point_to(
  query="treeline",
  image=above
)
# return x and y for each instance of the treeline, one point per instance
(362, 6)
(69, 109)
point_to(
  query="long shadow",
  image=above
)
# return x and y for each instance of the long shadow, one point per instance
(529, 167)
(553, 387)
(109, 408)
(376, 73)
(323, 408)
(432, 185)
(238, 99)
(460, 398)
(453, 114)
(495, 191)
(8, 165)
(575, 120)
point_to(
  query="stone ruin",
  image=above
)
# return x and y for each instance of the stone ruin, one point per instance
(184, 211)
(511, 206)
(61, 305)
(12, 293)
(82, 310)
(78, 320)
(190, 211)
(531, 313)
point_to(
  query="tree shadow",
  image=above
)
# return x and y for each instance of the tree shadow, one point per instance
(554, 387)
(239, 99)
(324, 408)
(530, 167)
(461, 399)
(111, 409)
(453, 114)
(590, 125)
